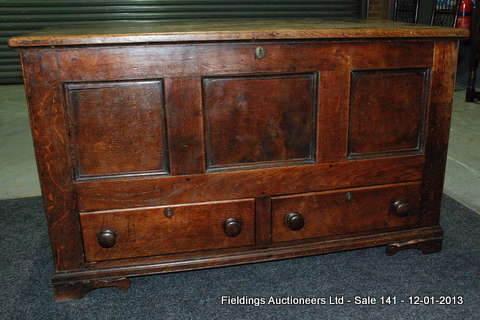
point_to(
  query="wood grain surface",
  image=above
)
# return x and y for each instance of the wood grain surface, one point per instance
(148, 139)
(387, 112)
(97, 63)
(347, 211)
(438, 129)
(147, 232)
(106, 117)
(261, 119)
(54, 163)
(128, 193)
(185, 121)
(222, 30)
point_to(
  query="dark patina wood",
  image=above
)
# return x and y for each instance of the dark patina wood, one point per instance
(54, 164)
(222, 30)
(127, 193)
(438, 128)
(332, 116)
(387, 112)
(65, 291)
(99, 133)
(192, 261)
(204, 144)
(159, 61)
(148, 231)
(259, 121)
(263, 221)
(343, 212)
(185, 120)
(428, 245)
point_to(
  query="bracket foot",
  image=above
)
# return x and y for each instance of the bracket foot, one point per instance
(425, 245)
(65, 291)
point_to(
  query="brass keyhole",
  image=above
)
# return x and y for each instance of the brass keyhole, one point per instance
(260, 53)
(348, 196)
(168, 212)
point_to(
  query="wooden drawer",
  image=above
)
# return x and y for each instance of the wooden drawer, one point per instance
(168, 229)
(345, 212)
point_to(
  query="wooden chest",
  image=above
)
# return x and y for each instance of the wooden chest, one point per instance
(170, 147)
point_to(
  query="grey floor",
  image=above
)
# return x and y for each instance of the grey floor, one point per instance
(18, 171)
(19, 177)
(26, 264)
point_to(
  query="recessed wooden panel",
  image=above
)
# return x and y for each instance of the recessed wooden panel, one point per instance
(118, 128)
(260, 121)
(387, 112)
(150, 231)
(345, 211)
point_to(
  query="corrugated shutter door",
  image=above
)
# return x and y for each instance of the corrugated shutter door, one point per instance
(21, 16)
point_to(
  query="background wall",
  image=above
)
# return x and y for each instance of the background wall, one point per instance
(378, 9)
(425, 11)
(382, 9)
(23, 16)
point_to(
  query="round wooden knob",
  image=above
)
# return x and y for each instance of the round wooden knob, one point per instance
(107, 238)
(294, 221)
(401, 208)
(232, 227)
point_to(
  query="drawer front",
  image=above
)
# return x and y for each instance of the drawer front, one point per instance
(166, 230)
(349, 211)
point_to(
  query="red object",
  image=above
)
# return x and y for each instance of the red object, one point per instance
(464, 14)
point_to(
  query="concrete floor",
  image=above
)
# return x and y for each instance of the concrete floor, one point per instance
(19, 177)
(18, 171)
(462, 179)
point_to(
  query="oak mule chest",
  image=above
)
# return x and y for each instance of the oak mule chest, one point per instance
(168, 147)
